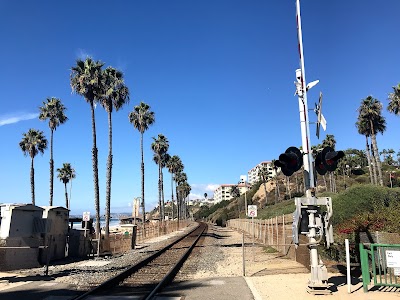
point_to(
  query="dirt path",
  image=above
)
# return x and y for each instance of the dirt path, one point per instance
(272, 276)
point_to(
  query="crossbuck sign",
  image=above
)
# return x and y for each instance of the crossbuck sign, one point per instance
(252, 211)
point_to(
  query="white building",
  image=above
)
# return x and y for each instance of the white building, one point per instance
(252, 174)
(223, 192)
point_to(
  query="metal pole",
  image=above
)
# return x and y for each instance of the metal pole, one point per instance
(317, 271)
(303, 108)
(243, 259)
(346, 242)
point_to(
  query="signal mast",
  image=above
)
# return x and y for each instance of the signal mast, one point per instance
(308, 218)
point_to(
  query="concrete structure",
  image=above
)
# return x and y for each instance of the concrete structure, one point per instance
(20, 236)
(223, 192)
(252, 174)
(56, 232)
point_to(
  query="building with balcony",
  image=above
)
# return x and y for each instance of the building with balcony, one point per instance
(223, 192)
(252, 174)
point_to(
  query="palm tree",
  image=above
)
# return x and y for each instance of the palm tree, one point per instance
(394, 100)
(185, 188)
(31, 144)
(141, 118)
(53, 110)
(275, 175)
(115, 95)
(86, 80)
(174, 165)
(330, 141)
(370, 110)
(66, 174)
(180, 178)
(363, 128)
(160, 147)
(162, 163)
(264, 173)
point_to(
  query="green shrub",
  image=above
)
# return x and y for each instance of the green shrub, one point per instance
(366, 208)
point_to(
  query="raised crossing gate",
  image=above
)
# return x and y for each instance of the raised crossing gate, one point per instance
(382, 262)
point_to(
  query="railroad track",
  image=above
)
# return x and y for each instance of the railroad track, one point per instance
(151, 275)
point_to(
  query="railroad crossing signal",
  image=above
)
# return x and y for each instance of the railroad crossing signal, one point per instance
(327, 160)
(252, 211)
(290, 161)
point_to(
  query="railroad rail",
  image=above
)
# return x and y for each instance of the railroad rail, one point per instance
(153, 273)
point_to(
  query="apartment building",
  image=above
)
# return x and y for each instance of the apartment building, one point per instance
(252, 174)
(223, 192)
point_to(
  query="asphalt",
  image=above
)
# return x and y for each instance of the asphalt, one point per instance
(13, 287)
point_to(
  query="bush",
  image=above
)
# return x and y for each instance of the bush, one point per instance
(367, 208)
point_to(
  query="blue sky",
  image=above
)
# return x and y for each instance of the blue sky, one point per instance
(218, 75)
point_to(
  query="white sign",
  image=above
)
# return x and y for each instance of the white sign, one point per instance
(86, 216)
(252, 210)
(392, 259)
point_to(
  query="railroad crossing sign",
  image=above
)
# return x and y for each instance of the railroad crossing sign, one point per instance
(252, 211)
(86, 216)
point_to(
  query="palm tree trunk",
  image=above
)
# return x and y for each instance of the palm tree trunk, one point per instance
(32, 182)
(368, 153)
(326, 186)
(70, 194)
(66, 195)
(108, 176)
(376, 154)
(51, 168)
(159, 190)
(162, 194)
(142, 169)
(95, 172)
(172, 195)
(178, 206)
(288, 187)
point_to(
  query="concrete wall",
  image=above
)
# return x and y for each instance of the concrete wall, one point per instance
(19, 239)
(57, 231)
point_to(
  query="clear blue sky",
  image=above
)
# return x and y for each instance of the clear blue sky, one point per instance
(218, 75)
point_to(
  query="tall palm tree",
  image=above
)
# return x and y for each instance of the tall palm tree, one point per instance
(174, 165)
(86, 80)
(275, 176)
(115, 94)
(141, 118)
(160, 147)
(66, 174)
(370, 110)
(54, 111)
(32, 143)
(394, 101)
(363, 128)
(264, 173)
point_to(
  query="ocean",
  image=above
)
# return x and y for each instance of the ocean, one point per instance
(113, 222)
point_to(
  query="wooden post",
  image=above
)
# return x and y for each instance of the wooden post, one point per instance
(277, 232)
(283, 234)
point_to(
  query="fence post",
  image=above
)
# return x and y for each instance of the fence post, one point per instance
(277, 233)
(283, 234)
(364, 267)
